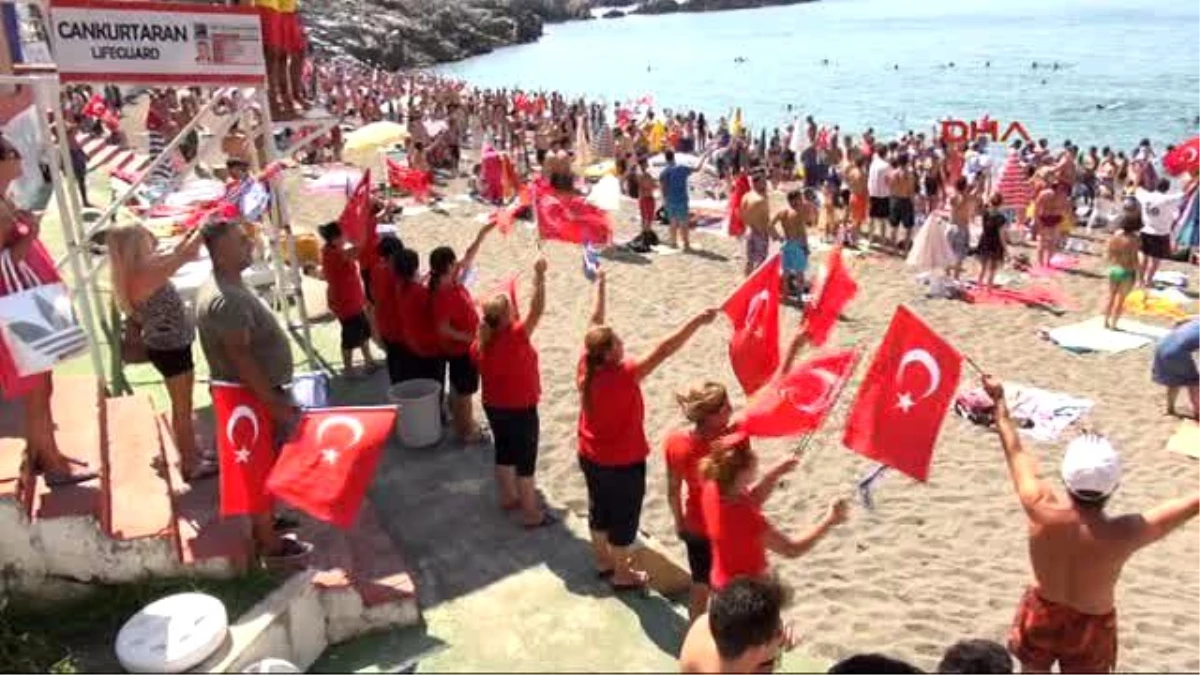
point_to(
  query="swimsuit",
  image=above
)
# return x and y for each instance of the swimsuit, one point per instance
(795, 256)
(1119, 275)
(1045, 632)
(1050, 220)
(757, 247)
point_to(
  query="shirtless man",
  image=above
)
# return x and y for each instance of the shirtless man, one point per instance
(856, 180)
(756, 214)
(1076, 550)
(743, 631)
(794, 221)
(964, 206)
(902, 186)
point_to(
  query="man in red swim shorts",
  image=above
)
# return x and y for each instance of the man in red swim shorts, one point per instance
(1068, 614)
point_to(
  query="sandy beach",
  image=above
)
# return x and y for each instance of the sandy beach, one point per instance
(933, 563)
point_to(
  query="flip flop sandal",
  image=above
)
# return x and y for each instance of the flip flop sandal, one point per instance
(546, 521)
(54, 479)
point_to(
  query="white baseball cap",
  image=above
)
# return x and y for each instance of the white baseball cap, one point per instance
(1091, 467)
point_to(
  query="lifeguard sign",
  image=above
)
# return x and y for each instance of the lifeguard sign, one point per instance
(156, 43)
(958, 131)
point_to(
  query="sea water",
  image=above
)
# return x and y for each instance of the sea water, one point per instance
(1126, 69)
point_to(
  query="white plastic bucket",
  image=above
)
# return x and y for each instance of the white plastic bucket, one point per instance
(419, 422)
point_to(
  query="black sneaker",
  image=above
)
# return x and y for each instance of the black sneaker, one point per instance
(283, 524)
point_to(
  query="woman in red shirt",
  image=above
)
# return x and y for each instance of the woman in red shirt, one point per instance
(420, 355)
(457, 321)
(384, 288)
(732, 501)
(508, 369)
(345, 296)
(707, 407)
(612, 438)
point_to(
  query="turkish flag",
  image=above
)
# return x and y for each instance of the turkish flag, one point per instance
(245, 449)
(356, 217)
(797, 402)
(569, 217)
(1183, 158)
(904, 397)
(326, 469)
(754, 310)
(412, 181)
(837, 291)
(741, 186)
(95, 107)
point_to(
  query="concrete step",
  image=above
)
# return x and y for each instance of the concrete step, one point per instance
(366, 584)
(79, 433)
(139, 496)
(204, 542)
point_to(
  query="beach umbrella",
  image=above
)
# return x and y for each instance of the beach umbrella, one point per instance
(1184, 158)
(364, 143)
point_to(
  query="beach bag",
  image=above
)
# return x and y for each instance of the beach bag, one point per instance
(37, 322)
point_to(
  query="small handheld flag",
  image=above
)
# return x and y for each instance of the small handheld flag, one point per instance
(591, 262)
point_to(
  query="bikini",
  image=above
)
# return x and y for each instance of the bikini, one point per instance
(1050, 220)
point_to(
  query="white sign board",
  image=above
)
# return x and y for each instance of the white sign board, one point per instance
(156, 42)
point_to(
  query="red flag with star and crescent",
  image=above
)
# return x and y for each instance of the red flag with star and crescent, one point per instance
(417, 183)
(797, 402)
(569, 217)
(1184, 158)
(245, 449)
(754, 310)
(837, 291)
(356, 217)
(328, 465)
(904, 397)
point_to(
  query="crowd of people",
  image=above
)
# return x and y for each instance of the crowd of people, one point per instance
(855, 191)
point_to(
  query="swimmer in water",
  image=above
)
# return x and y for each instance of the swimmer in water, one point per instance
(987, 64)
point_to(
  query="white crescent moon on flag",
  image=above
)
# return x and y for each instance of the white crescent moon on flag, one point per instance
(241, 411)
(925, 359)
(819, 402)
(758, 305)
(341, 420)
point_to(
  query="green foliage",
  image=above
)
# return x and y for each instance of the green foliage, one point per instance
(78, 635)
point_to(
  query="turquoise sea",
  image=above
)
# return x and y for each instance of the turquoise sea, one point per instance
(1137, 59)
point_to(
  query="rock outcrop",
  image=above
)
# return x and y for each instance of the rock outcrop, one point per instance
(396, 34)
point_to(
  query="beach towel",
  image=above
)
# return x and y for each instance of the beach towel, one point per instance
(1168, 304)
(931, 247)
(1092, 336)
(1014, 189)
(1040, 414)
(1170, 278)
(1031, 296)
(1186, 440)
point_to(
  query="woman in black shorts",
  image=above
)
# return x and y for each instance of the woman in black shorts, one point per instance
(612, 438)
(508, 370)
(456, 322)
(141, 280)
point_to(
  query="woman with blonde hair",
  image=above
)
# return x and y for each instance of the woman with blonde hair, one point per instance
(141, 280)
(707, 408)
(732, 500)
(511, 383)
(612, 438)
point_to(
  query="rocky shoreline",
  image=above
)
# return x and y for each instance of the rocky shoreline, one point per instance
(398, 34)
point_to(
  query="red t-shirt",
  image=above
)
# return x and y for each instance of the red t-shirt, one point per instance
(611, 430)
(385, 289)
(453, 303)
(684, 450)
(345, 290)
(416, 320)
(508, 369)
(735, 527)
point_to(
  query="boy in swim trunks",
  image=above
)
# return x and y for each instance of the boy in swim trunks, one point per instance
(756, 214)
(856, 181)
(1076, 550)
(1123, 260)
(795, 220)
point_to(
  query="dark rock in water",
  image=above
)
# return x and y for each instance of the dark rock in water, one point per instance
(396, 34)
(613, 14)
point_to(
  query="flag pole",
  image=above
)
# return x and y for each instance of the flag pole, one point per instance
(803, 447)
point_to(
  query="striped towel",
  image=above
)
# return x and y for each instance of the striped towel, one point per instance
(1014, 189)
